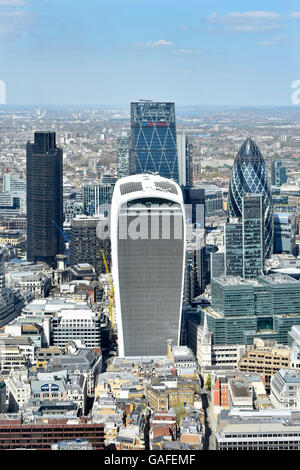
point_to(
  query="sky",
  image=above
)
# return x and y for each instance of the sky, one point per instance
(111, 52)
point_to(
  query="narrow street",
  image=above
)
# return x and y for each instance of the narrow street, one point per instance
(210, 421)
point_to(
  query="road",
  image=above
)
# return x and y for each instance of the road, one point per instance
(210, 421)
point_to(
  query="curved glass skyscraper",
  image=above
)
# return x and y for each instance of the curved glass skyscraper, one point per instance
(249, 175)
(148, 259)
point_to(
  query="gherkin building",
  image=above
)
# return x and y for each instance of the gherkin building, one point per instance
(249, 175)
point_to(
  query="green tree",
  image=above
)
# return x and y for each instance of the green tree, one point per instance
(180, 412)
(208, 382)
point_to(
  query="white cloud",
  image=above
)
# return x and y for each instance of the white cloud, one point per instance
(12, 3)
(184, 51)
(13, 20)
(267, 43)
(159, 43)
(295, 14)
(13, 13)
(245, 21)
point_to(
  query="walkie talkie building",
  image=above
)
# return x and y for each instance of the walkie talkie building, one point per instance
(148, 260)
(249, 175)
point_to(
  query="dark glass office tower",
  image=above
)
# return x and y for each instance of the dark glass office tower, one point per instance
(244, 240)
(44, 164)
(249, 175)
(253, 236)
(153, 139)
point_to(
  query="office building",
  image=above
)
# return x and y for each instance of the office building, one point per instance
(194, 200)
(265, 358)
(242, 310)
(285, 233)
(72, 208)
(285, 389)
(8, 310)
(194, 279)
(153, 139)
(185, 168)
(2, 396)
(123, 151)
(97, 199)
(86, 242)
(70, 325)
(253, 235)
(10, 205)
(233, 254)
(148, 261)
(278, 174)
(13, 183)
(35, 434)
(267, 429)
(217, 263)
(249, 175)
(213, 200)
(44, 162)
(244, 240)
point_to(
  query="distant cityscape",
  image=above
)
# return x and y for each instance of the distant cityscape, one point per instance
(150, 277)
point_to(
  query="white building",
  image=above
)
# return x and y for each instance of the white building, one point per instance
(285, 389)
(70, 325)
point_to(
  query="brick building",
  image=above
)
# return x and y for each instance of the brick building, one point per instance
(40, 435)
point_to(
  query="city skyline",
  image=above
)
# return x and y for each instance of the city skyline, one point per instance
(93, 52)
(149, 227)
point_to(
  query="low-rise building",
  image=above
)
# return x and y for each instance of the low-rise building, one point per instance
(38, 433)
(285, 389)
(69, 325)
(165, 394)
(265, 359)
(15, 353)
(240, 394)
(191, 431)
(258, 430)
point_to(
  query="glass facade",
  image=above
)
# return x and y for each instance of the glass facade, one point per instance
(285, 233)
(148, 236)
(153, 139)
(253, 260)
(44, 170)
(279, 176)
(242, 310)
(97, 198)
(249, 175)
(150, 279)
(184, 161)
(233, 249)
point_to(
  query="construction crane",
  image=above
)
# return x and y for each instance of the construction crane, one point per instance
(92, 210)
(111, 297)
(65, 237)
